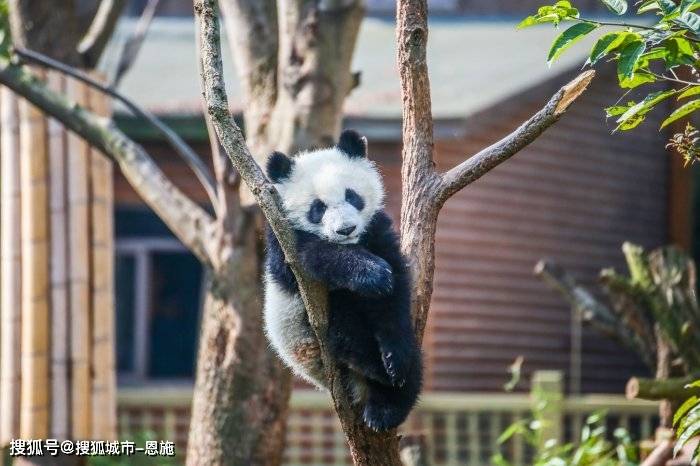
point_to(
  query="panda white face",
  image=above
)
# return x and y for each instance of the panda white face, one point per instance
(333, 192)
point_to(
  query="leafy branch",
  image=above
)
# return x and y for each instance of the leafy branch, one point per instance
(663, 47)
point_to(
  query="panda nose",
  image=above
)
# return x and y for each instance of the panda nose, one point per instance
(345, 231)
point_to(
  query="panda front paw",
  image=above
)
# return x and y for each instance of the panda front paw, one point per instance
(375, 279)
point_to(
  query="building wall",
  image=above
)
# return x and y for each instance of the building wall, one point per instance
(573, 196)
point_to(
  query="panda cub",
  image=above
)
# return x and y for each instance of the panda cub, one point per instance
(334, 199)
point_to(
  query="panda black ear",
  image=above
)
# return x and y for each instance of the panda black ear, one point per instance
(279, 167)
(352, 143)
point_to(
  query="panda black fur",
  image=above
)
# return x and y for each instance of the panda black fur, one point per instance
(334, 198)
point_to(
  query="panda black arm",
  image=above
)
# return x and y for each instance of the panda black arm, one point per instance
(275, 263)
(393, 328)
(348, 266)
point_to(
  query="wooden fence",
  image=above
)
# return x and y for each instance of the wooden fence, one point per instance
(56, 283)
(459, 428)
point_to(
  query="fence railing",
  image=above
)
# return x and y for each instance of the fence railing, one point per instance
(458, 428)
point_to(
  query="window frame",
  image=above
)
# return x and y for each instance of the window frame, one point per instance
(142, 249)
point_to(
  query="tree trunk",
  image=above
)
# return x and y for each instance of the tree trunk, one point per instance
(241, 391)
(47, 27)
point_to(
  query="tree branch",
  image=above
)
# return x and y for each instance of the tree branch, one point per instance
(253, 34)
(188, 154)
(189, 222)
(592, 311)
(667, 389)
(133, 44)
(481, 163)
(93, 43)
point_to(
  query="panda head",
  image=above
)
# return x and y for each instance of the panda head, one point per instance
(332, 192)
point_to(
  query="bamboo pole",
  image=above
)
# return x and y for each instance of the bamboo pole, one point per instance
(10, 269)
(34, 402)
(103, 384)
(78, 181)
(60, 419)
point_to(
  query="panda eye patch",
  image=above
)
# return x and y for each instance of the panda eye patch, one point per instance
(354, 199)
(316, 211)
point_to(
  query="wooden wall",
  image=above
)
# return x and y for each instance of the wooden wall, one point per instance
(56, 329)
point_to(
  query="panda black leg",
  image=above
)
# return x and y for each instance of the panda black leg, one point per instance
(398, 351)
(386, 406)
(361, 358)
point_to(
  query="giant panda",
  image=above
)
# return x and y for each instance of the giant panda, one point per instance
(334, 200)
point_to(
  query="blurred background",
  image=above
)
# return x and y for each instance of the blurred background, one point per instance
(574, 196)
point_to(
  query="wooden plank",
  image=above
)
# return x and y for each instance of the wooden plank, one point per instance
(79, 274)
(10, 268)
(102, 287)
(35, 392)
(60, 416)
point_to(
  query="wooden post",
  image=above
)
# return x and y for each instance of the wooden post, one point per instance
(547, 387)
(10, 270)
(60, 378)
(102, 287)
(34, 402)
(78, 179)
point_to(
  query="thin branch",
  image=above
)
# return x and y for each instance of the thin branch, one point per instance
(231, 137)
(133, 44)
(185, 218)
(481, 163)
(93, 43)
(190, 157)
(591, 310)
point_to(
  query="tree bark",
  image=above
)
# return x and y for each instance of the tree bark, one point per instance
(655, 389)
(48, 27)
(240, 389)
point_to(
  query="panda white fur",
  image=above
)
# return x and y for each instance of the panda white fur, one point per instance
(334, 199)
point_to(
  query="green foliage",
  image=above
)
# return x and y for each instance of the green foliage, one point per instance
(5, 41)
(592, 449)
(687, 424)
(657, 49)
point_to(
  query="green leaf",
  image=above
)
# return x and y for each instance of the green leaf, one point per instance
(628, 58)
(617, 110)
(606, 44)
(640, 77)
(644, 106)
(694, 90)
(681, 111)
(680, 51)
(690, 21)
(684, 408)
(667, 6)
(691, 431)
(688, 5)
(648, 5)
(619, 7)
(567, 38)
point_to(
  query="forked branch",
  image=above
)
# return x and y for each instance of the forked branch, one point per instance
(93, 43)
(484, 161)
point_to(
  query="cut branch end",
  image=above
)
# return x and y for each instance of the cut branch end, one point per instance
(573, 90)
